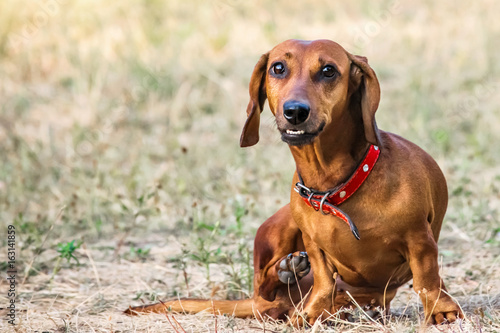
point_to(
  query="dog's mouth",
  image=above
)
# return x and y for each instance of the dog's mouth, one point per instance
(300, 137)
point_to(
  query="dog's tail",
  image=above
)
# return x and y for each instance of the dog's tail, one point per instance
(238, 308)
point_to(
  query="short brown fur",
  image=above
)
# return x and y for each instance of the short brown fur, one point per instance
(398, 210)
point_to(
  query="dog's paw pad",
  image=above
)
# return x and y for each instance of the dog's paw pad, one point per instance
(294, 267)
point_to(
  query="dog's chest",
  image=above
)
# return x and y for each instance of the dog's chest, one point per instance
(324, 230)
(358, 261)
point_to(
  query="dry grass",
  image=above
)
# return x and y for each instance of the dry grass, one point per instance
(119, 128)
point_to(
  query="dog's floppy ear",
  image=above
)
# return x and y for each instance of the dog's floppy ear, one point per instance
(363, 76)
(250, 133)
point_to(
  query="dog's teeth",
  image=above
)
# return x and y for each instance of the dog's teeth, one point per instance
(294, 132)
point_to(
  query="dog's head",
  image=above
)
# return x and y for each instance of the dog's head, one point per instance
(309, 85)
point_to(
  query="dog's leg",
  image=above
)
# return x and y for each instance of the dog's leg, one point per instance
(423, 260)
(281, 268)
(374, 302)
(323, 293)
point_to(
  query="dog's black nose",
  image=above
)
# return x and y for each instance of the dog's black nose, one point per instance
(296, 112)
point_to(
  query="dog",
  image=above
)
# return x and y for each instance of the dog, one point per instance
(366, 206)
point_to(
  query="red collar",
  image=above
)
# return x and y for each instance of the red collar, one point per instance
(327, 202)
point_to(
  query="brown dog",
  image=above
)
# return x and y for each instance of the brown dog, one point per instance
(391, 193)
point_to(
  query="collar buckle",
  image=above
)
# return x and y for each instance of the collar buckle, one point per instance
(302, 189)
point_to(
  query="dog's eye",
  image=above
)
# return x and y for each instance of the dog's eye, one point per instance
(278, 68)
(329, 71)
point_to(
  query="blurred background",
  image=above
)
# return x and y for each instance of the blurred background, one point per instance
(120, 124)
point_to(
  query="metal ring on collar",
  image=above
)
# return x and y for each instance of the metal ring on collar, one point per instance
(322, 203)
(311, 203)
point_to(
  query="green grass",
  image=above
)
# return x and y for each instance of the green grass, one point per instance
(120, 123)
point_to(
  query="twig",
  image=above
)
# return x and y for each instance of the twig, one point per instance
(215, 316)
(87, 252)
(255, 312)
(164, 305)
(456, 301)
(175, 328)
(427, 320)
(186, 281)
(301, 303)
(296, 279)
(316, 326)
(182, 328)
(479, 324)
(28, 268)
(385, 293)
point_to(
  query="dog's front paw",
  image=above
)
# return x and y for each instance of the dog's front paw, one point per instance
(444, 310)
(442, 317)
(294, 267)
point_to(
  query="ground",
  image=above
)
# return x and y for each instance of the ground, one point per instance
(123, 178)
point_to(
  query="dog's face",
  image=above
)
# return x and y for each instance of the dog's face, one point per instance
(306, 86)
(309, 85)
